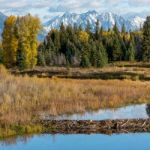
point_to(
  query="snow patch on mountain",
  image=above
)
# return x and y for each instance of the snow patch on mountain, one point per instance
(137, 22)
(106, 20)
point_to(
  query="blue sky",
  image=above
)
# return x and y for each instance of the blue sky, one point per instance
(50, 7)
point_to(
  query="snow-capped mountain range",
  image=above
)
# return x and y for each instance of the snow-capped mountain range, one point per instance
(2, 19)
(106, 20)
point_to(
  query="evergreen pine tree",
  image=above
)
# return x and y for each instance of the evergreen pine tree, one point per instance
(146, 40)
(85, 62)
(97, 31)
(115, 29)
(123, 48)
(85, 56)
(93, 54)
(41, 56)
(70, 53)
(102, 58)
(123, 30)
(1, 53)
(109, 47)
(117, 52)
(131, 52)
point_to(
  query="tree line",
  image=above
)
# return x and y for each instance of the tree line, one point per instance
(70, 45)
(75, 46)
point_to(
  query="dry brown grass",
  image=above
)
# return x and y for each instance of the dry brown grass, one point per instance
(119, 70)
(23, 99)
(118, 67)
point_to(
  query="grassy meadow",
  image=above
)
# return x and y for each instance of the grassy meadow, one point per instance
(24, 99)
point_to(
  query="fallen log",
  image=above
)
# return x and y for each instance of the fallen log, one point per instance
(89, 126)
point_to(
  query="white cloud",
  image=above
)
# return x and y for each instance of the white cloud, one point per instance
(139, 2)
(52, 6)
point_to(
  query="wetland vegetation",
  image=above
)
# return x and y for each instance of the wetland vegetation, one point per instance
(24, 99)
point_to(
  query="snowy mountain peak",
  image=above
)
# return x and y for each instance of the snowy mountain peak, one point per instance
(138, 22)
(107, 20)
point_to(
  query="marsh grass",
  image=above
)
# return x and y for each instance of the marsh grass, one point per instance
(118, 70)
(25, 99)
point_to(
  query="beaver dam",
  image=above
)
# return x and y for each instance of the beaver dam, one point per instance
(89, 126)
(108, 121)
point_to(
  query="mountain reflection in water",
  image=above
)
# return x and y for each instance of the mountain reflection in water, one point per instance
(128, 112)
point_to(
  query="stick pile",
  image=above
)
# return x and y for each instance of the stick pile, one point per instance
(89, 126)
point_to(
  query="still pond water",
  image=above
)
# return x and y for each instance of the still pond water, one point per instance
(80, 142)
(137, 141)
(128, 112)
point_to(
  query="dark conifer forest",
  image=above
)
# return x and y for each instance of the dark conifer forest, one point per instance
(70, 46)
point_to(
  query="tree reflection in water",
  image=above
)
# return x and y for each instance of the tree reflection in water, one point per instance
(14, 140)
(148, 110)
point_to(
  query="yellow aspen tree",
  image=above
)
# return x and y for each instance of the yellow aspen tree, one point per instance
(9, 42)
(34, 28)
(83, 37)
(29, 28)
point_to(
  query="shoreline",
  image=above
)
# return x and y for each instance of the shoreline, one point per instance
(134, 73)
(107, 127)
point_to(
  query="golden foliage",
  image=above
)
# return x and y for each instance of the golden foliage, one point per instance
(106, 33)
(83, 36)
(10, 42)
(20, 40)
(126, 36)
(29, 28)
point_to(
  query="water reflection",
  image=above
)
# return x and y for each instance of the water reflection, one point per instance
(129, 112)
(15, 140)
(25, 139)
(148, 110)
(87, 142)
(84, 142)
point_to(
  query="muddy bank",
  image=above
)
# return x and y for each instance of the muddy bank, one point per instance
(74, 73)
(89, 126)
